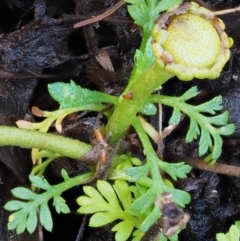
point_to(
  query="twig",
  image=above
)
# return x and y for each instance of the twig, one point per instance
(101, 16)
(229, 170)
(231, 10)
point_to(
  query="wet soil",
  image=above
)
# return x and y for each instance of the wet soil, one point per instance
(38, 45)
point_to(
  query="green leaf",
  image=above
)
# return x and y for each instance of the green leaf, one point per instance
(227, 130)
(148, 109)
(176, 116)
(102, 200)
(175, 170)
(60, 205)
(23, 193)
(217, 147)
(166, 4)
(221, 237)
(123, 230)
(45, 217)
(39, 182)
(137, 172)
(193, 131)
(205, 142)
(123, 192)
(181, 198)
(108, 193)
(64, 174)
(14, 205)
(144, 202)
(146, 12)
(106, 205)
(232, 235)
(18, 221)
(71, 95)
(211, 106)
(151, 218)
(22, 225)
(219, 120)
(237, 224)
(32, 221)
(189, 94)
(209, 128)
(100, 219)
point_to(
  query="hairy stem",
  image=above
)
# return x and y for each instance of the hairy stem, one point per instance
(127, 109)
(12, 136)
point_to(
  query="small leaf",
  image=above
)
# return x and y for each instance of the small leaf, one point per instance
(22, 224)
(166, 4)
(205, 142)
(123, 192)
(193, 131)
(39, 182)
(45, 217)
(137, 172)
(64, 174)
(23, 193)
(60, 205)
(217, 147)
(107, 192)
(219, 120)
(148, 109)
(32, 221)
(227, 130)
(92, 192)
(15, 205)
(211, 106)
(100, 219)
(176, 116)
(123, 230)
(192, 92)
(234, 233)
(181, 198)
(237, 224)
(221, 237)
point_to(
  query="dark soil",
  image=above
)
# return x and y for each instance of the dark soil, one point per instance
(38, 45)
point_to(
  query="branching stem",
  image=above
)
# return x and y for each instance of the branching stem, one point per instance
(126, 111)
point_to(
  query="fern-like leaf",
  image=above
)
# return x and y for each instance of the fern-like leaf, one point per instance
(109, 203)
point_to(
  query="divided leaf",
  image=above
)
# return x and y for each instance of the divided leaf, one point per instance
(60, 205)
(209, 128)
(175, 170)
(72, 95)
(232, 235)
(108, 204)
(146, 12)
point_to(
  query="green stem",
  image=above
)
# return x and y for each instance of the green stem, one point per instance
(152, 159)
(12, 136)
(127, 109)
(58, 189)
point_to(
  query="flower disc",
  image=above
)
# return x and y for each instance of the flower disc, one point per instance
(192, 41)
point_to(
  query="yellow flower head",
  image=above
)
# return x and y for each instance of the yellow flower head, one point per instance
(189, 41)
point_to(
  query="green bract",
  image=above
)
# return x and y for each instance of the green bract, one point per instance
(189, 41)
